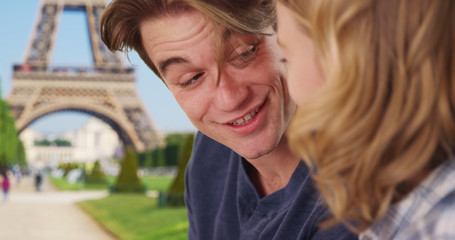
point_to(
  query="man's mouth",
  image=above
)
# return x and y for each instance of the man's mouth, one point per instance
(245, 119)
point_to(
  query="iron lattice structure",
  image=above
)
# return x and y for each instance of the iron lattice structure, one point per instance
(106, 90)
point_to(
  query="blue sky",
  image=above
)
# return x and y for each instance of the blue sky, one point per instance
(17, 20)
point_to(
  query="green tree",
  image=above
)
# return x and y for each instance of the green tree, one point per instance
(177, 188)
(147, 159)
(21, 157)
(158, 157)
(9, 140)
(171, 153)
(141, 159)
(43, 142)
(56, 142)
(127, 180)
(178, 139)
(175, 143)
(62, 143)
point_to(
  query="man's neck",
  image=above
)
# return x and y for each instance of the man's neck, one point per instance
(273, 171)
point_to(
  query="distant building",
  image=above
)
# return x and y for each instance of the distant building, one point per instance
(94, 141)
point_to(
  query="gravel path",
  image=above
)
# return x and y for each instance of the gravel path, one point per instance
(48, 214)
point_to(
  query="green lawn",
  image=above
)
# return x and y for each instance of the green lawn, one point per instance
(158, 183)
(133, 216)
(62, 184)
(136, 217)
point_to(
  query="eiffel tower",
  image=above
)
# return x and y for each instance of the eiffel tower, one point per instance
(105, 90)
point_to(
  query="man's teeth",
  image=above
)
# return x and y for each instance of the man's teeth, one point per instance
(245, 119)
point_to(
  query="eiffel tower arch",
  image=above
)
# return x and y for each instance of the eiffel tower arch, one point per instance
(105, 90)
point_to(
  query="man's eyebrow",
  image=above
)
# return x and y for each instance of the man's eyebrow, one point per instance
(164, 65)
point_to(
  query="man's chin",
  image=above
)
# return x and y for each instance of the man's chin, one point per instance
(253, 153)
(252, 148)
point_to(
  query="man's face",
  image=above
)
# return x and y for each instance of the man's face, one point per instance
(248, 108)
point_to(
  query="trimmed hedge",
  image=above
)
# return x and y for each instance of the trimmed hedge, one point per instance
(175, 196)
(97, 175)
(127, 180)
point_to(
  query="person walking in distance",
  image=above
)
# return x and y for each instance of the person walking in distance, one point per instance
(5, 186)
(38, 181)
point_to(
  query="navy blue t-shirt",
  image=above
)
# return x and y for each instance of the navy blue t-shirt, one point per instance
(223, 203)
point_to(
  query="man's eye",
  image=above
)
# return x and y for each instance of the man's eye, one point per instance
(246, 57)
(192, 80)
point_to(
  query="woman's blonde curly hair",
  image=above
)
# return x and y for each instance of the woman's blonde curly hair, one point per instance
(386, 114)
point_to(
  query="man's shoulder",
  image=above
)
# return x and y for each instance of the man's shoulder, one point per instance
(205, 147)
(208, 154)
(201, 140)
(210, 167)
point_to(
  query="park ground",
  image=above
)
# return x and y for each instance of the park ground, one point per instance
(48, 214)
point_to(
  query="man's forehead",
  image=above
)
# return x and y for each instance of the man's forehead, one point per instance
(166, 37)
(171, 26)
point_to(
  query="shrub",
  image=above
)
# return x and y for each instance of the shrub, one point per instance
(67, 167)
(176, 191)
(97, 174)
(127, 180)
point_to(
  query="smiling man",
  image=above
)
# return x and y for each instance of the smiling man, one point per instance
(242, 182)
(247, 108)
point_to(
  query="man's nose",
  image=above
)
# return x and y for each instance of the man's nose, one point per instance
(230, 92)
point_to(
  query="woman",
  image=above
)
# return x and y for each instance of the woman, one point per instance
(5, 186)
(374, 81)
